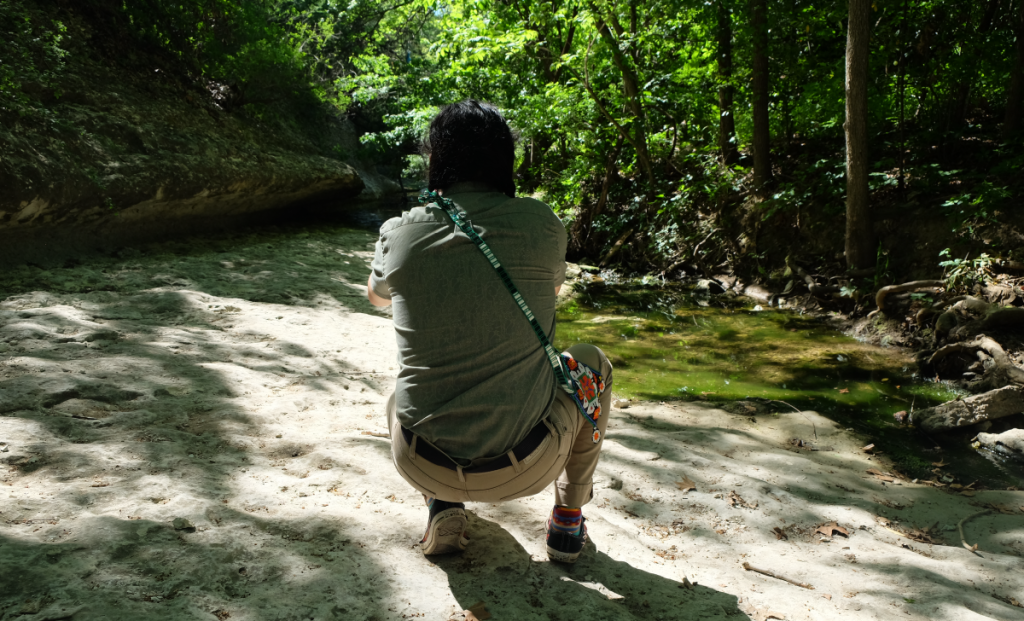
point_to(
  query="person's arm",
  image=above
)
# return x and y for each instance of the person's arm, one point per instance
(377, 273)
(375, 299)
(557, 289)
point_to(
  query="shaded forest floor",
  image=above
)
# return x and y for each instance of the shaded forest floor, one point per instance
(198, 432)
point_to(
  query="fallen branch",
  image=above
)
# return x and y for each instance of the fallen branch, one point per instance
(884, 292)
(960, 527)
(812, 285)
(771, 574)
(615, 247)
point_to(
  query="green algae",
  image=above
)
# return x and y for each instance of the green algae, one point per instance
(667, 344)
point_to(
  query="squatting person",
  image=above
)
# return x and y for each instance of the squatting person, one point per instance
(484, 410)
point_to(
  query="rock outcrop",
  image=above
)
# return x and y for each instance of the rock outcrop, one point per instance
(118, 157)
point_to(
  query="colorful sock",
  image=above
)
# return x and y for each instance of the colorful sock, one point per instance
(568, 520)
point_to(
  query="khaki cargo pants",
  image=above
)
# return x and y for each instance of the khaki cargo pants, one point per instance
(567, 456)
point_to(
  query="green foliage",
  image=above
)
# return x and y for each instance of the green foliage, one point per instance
(611, 95)
(962, 274)
(31, 57)
(980, 205)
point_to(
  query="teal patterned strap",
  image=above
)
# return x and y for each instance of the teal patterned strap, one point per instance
(582, 383)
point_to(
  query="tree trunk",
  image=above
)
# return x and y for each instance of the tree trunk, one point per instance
(762, 136)
(1015, 94)
(726, 122)
(631, 85)
(859, 244)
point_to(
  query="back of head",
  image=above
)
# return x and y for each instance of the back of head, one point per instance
(470, 141)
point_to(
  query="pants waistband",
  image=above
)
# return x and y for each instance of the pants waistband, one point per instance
(521, 451)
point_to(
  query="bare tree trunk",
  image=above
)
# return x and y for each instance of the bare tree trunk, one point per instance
(606, 184)
(762, 135)
(631, 85)
(858, 224)
(726, 122)
(1015, 94)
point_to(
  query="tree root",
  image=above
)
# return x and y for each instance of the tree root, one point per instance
(812, 286)
(935, 308)
(999, 369)
(994, 317)
(907, 286)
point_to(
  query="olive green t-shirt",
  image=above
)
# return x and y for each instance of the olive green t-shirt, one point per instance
(473, 378)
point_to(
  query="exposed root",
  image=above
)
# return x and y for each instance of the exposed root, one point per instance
(812, 285)
(935, 308)
(983, 343)
(999, 370)
(907, 286)
(995, 317)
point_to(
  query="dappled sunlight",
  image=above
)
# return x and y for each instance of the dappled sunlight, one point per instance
(750, 482)
(163, 447)
(196, 448)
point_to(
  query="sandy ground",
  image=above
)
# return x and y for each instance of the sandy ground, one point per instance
(186, 446)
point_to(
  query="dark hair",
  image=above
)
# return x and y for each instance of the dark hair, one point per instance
(470, 141)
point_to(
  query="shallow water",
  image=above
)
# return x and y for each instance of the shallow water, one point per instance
(667, 344)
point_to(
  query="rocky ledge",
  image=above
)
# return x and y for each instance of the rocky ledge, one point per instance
(119, 158)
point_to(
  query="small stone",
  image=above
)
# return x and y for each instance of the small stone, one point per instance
(182, 524)
(30, 607)
(615, 484)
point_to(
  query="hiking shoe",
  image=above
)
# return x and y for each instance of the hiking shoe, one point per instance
(445, 527)
(563, 547)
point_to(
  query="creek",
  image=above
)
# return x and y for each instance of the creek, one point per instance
(668, 343)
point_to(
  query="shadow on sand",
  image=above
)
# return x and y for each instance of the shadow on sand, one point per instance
(597, 587)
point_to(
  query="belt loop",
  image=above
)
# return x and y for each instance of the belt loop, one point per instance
(515, 462)
(412, 447)
(554, 432)
(458, 469)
